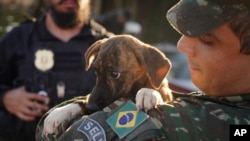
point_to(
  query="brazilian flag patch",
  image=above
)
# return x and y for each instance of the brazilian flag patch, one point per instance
(126, 119)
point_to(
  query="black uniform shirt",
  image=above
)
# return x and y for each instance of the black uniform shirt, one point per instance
(22, 54)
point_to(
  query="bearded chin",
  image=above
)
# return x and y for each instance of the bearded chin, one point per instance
(65, 20)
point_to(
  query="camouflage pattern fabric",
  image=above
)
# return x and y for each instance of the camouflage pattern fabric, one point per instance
(197, 17)
(95, 127)
(197, 117)
(190, 117)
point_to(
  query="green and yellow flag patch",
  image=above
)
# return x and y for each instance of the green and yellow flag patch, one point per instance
(126, 119)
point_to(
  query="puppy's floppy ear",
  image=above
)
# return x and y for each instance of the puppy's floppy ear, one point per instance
(92, 51)
(156, 64)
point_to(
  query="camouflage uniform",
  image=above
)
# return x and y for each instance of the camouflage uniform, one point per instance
(190, 117)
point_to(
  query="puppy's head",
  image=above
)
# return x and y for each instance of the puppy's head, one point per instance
(123, 65)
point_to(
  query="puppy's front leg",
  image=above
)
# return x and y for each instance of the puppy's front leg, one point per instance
(59, 117)
(147, 99)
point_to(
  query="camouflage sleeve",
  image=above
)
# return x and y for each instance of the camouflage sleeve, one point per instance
(192, 118)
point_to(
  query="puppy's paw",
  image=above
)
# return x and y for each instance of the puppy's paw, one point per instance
(59, 118)
(147, 99)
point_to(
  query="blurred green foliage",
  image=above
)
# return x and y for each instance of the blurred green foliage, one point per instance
(10, 16)
(150, 14)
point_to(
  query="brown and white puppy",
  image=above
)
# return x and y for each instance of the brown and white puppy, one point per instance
(123, 65)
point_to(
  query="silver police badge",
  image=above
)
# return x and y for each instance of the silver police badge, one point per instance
(44, 59)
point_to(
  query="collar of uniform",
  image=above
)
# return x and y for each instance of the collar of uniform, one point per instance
(44, 34)
(242, 100)
(238, 98)
(232, 99)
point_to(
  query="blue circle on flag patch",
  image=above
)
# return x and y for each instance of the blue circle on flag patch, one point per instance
(126, 118)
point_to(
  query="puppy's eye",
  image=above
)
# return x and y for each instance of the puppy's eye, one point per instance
(115, 74)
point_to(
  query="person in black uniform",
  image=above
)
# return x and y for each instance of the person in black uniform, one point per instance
(42, 64)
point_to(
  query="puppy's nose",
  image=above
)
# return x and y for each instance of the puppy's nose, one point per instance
(91, 108)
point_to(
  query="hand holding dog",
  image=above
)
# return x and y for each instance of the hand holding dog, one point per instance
(25, 105)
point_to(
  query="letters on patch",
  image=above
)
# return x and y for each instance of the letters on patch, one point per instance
(92, 129)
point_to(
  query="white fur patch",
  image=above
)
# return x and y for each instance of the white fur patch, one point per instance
(58, 116)
(147, 99)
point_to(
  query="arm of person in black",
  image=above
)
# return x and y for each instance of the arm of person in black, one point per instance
(8, 46)
(8, 60)
(12, 50)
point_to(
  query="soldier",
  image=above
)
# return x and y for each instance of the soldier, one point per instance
(41, 65)
(216, 40)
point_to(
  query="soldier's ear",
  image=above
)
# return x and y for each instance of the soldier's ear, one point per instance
(92, 52)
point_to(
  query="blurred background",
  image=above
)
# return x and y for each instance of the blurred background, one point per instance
(145, 19)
